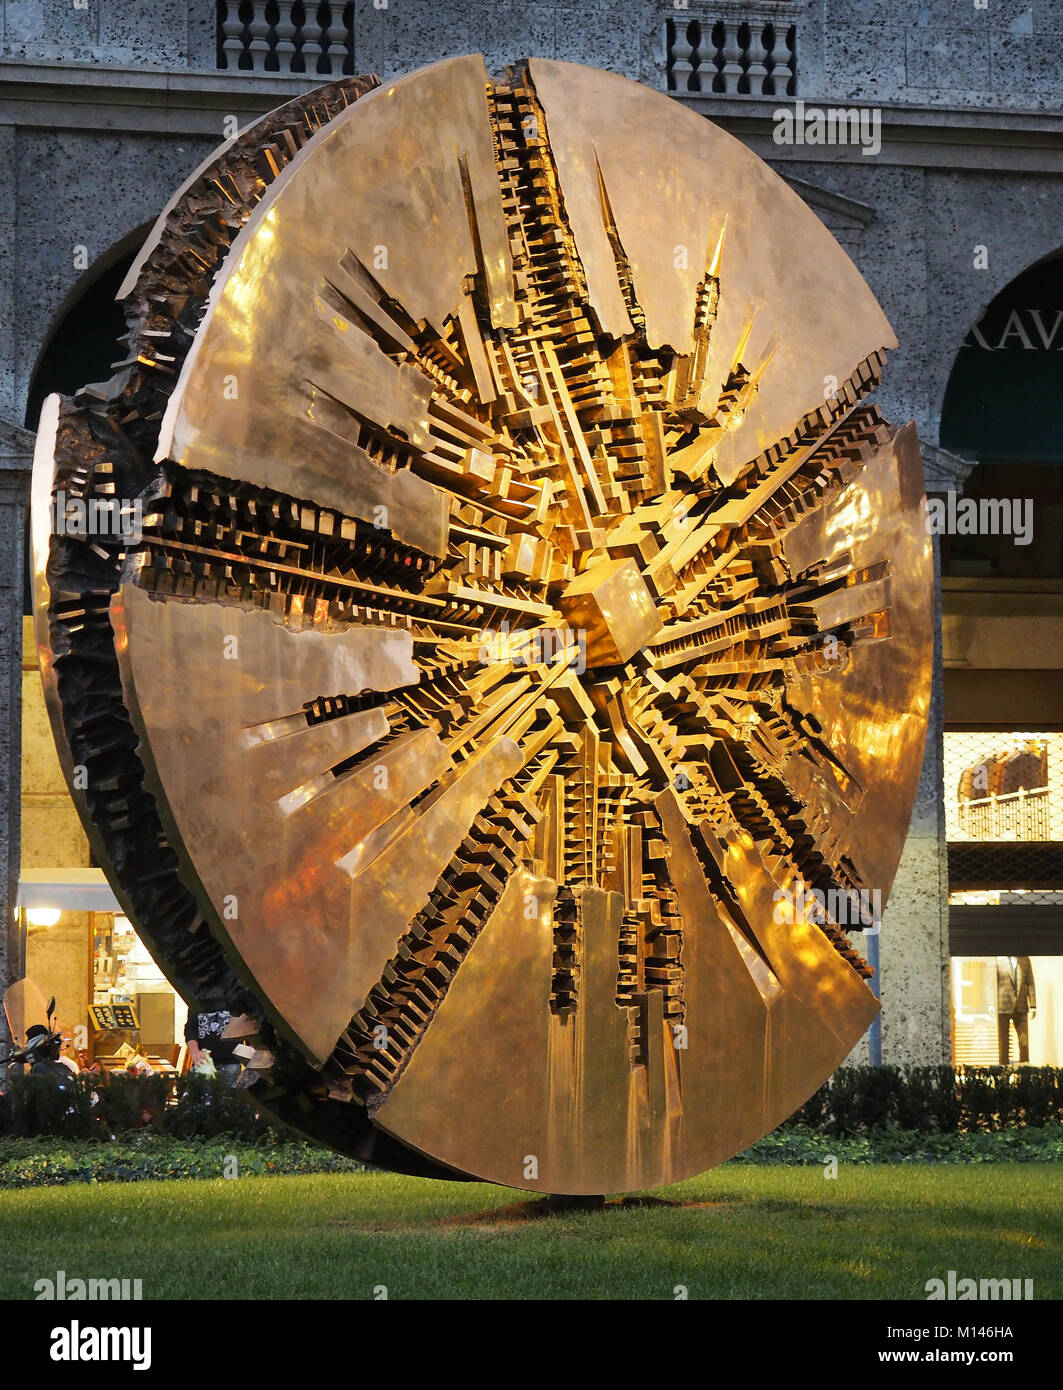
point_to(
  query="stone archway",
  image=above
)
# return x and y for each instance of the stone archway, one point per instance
(1003, 409)
(82, 340)
(81, 344)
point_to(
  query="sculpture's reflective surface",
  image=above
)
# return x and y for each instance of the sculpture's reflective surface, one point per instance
(528, 609)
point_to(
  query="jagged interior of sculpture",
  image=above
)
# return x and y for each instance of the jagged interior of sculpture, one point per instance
(517, 614)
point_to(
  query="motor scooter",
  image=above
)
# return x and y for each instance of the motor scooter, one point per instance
(43, 1047)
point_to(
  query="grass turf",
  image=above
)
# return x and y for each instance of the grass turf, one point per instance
(735, 1232)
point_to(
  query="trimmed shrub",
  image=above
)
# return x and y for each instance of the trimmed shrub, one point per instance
(92, 1106)
(206, 1106)
(934, 1100)
(856, 1101)
(144, 1156)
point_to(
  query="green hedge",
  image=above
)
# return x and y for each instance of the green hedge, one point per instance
(934, 1100)
(856, 1100)
(794, 1144)
(142, 1157)
(97, 1107)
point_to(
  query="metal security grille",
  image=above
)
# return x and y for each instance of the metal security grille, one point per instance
(1003, 795)
(285, 36)
(1004, 818)
(731, 56)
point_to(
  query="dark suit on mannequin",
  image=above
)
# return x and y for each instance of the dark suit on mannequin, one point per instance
(1016, 1001)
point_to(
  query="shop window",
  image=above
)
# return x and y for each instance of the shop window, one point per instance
(1007, 1010)
(134, 1006)
(1003, 796)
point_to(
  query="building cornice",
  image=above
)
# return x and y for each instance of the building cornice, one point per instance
(983, 138)
(136, 100)
(190, 103)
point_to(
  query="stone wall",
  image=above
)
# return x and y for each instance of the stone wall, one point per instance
(600, 33)
(134, 33)
(14, 493)
(52, 837)
(1004, 54)
(83, 197)
(58, 958)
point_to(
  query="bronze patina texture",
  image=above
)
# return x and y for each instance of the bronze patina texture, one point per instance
(508, 685)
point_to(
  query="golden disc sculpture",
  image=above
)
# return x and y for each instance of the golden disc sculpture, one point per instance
(513, 661)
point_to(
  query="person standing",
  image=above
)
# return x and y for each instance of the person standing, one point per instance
(1016, 1004)
(203, 1034)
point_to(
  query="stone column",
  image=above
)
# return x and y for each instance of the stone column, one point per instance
(913, 982)
(916, 1013)
(914, 943)
(16, 457)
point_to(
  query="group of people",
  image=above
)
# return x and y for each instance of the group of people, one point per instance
(209, 1051)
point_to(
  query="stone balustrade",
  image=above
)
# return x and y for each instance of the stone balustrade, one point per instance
(730, 55)
(286, 36)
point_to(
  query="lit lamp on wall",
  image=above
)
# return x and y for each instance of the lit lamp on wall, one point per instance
(43, 916)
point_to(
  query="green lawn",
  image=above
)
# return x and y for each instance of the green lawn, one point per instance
(736, 1232)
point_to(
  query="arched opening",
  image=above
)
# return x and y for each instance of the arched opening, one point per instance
(1003, 407)
(82, 345)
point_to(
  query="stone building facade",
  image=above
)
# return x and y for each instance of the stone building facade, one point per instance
(106, 105)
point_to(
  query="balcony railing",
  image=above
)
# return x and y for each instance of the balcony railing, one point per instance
(287, 36)
(1021, 815)
(731, 56)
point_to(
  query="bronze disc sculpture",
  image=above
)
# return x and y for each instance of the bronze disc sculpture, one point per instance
(510, 657)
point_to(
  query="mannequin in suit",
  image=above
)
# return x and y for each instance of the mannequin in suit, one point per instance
(1016, 1003)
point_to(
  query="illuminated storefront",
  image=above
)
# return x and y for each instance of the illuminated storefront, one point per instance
(1004, 824)
(112, 1001)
